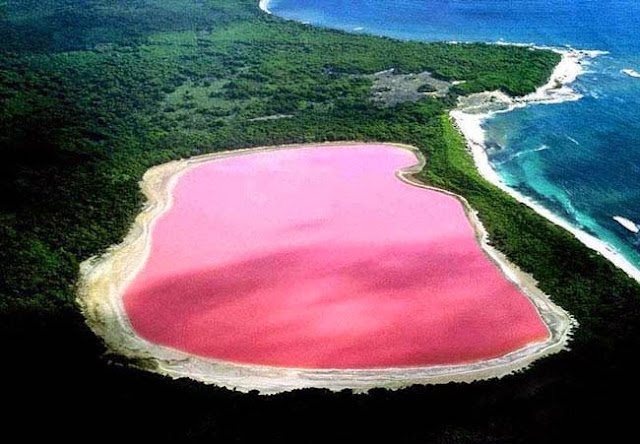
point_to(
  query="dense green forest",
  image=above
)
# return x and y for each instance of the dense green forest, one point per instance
(94, 92)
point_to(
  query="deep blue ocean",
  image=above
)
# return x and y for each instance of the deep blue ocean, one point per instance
(579, 159)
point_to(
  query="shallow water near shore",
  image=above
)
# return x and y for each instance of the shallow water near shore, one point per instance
(581, 159)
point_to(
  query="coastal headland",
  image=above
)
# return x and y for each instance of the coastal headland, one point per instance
(475, 109)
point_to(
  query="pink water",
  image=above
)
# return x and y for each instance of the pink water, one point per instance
(322, 258)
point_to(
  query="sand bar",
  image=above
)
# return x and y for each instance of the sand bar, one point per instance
(631, 73)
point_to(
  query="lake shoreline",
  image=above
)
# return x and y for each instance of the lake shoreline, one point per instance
(104, 280)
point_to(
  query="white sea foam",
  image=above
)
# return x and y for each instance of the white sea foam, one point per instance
(628, 224)
(358, 28)
(572, 139)
(631, 73)
(522, 153)
(264, 5)
(557, 90)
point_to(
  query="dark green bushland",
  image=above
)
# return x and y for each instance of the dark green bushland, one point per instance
(94, 92)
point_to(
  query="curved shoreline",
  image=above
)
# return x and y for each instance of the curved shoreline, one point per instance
(469, 122)
(104, 279)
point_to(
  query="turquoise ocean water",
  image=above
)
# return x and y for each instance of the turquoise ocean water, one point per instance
(581, 159)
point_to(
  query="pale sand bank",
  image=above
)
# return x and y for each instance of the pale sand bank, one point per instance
(104, 279)
(264, 5)
(628, 224)
(631, 73)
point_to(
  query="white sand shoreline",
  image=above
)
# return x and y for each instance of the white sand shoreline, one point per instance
(557, 90)
(628, 224)
(631, 73)
(264, 5)
(104, 279)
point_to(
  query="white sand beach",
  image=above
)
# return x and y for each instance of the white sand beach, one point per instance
(469, 120)
(264, 5)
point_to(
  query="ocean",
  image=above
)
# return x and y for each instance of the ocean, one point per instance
(580, 159)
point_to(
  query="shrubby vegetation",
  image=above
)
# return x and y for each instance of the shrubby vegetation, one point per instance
(427, 88)
(94, 92)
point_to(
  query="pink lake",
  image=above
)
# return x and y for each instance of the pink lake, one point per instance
(320, 257)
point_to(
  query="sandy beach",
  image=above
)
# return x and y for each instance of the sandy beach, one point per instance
(264, 5)
(469, 120)
(104, 279)
(631, 73)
